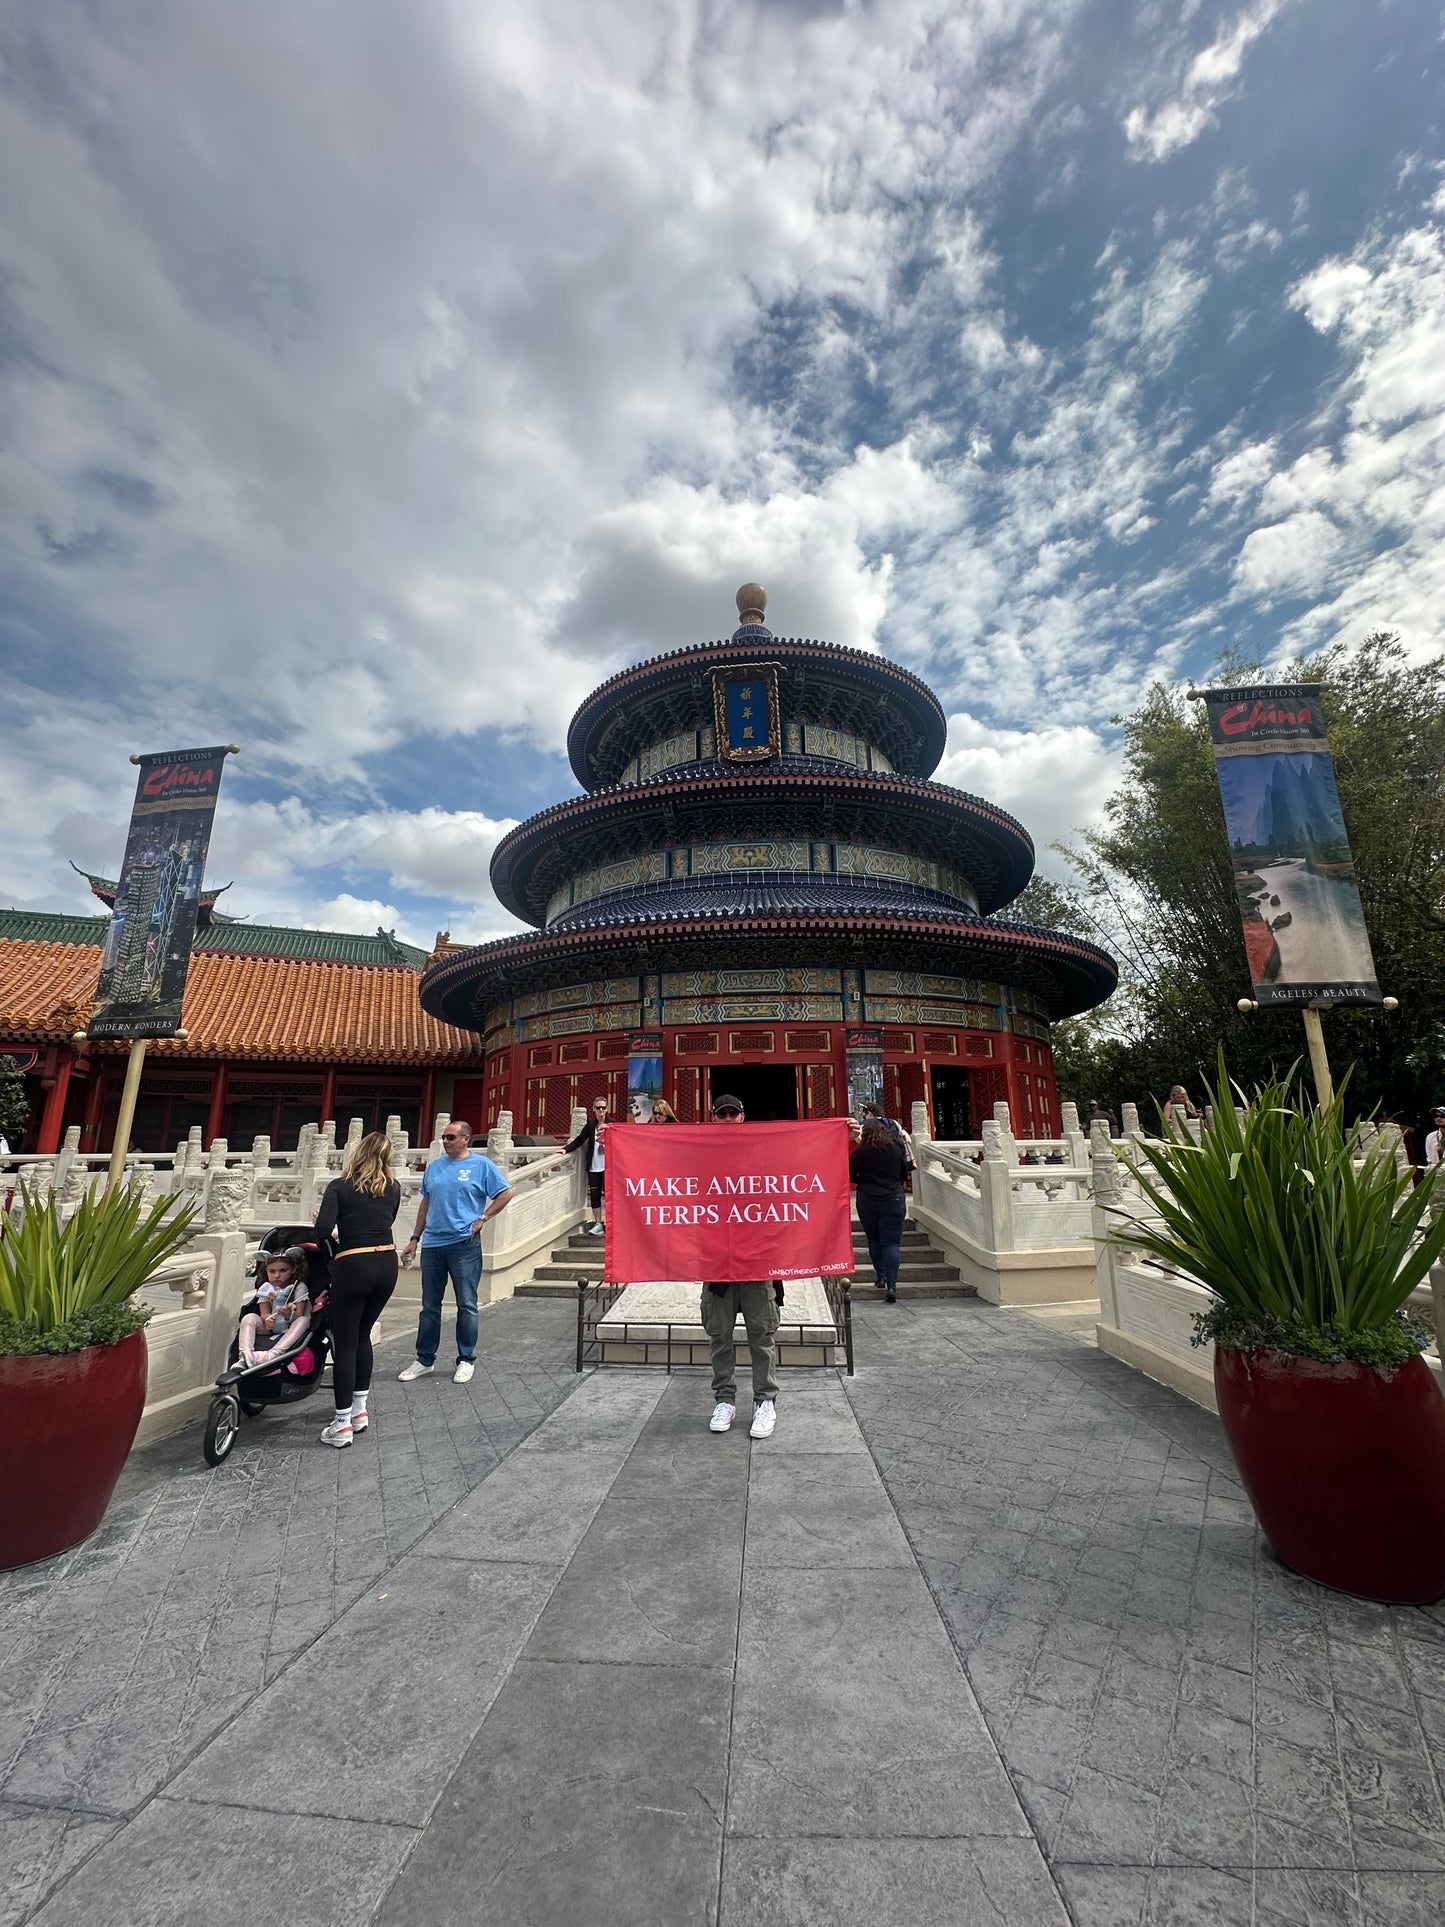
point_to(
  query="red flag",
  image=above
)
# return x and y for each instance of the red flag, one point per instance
(728, 1201)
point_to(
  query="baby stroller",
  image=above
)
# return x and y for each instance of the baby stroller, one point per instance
(295, 1375)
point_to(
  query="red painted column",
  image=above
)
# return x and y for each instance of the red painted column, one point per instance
(429, 1105)
(328, 1093)
(53, 1116)
(94, 1108)
(216, 1117)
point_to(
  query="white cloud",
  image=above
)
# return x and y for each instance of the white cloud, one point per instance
(1054, 779)
(1358, 521)
(1293, 557)
(410, 405)
(1199, 84)
(338, 392)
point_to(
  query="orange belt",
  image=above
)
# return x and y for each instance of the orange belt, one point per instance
(352, 1250)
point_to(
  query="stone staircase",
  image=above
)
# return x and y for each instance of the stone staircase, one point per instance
(924, 1272)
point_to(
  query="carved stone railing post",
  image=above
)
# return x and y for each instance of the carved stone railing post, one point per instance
(579, 1118)
(1005, 1124)
(226, 1198)
(439, 1124)
(1074, 1138)
(354, 1135)
(921, 1130)
(1106, 1185)
(499, 1140)
(1393, 1140)
(1129, 1120)
(66, 1158)
(996, 1184)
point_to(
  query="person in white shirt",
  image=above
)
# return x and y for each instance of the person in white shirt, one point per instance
(1435, 1142)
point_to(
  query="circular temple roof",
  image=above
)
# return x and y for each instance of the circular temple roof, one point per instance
(847, 687)
(989, 846)
(1068, 973)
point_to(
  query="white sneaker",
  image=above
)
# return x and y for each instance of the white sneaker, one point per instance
(463, 1374)
(338, 1432)
(415, 1370)
(360, 1421)
(596, 1231)
(764, 1419)
(722, 1417)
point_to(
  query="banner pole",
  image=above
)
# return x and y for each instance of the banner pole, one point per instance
(1319, 1062)
(123, 1123)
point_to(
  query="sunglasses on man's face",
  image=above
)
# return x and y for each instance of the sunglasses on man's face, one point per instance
(447, 1134)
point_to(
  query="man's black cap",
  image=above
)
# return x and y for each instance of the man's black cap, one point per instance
(721, 1104)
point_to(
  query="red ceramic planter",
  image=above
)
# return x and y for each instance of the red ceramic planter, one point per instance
(1345, 1468)
(66, 1426)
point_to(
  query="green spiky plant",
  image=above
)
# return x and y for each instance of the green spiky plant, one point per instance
(66, 1285)
(1305, 1251)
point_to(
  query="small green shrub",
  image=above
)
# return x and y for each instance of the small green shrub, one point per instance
(1303, 1252)
(64, 1286)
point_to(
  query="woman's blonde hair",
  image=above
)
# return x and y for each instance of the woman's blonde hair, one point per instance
(369, 1166)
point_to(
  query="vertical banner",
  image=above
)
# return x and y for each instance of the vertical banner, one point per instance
(1304, 925)
(148, 949)
(644, 1074)
(864, 1049)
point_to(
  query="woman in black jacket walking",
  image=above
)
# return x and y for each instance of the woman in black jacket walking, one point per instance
(878, 1166)
(359, 1210)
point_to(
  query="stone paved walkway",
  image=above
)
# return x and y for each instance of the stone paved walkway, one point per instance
(984, 1634)
(119, 1660)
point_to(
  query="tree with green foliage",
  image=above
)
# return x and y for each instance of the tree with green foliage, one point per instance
(14, 1105)
(1157, 887)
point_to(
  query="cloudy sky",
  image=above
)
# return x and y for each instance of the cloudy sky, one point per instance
(377, 375)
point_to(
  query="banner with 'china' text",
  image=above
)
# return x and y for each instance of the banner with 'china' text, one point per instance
(722, 1202)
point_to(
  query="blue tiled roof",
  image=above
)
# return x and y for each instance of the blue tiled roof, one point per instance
(765, 893)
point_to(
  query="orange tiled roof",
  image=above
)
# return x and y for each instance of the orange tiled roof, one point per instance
(243, 1006)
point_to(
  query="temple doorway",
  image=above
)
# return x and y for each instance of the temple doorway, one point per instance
(767, 1091)
(951, 1114)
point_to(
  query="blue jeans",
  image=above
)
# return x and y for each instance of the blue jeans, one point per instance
(882, 1222)
(462, 1263)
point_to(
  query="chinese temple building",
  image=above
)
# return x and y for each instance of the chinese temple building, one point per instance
(283, 1027)
(762, 892)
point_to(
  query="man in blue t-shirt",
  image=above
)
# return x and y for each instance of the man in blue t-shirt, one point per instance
(460, 1190)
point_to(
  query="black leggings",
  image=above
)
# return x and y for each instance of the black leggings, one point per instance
(361, 1283)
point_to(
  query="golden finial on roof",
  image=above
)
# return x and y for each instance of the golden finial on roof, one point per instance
(752, 605)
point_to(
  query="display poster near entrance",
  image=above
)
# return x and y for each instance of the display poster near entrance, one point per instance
(644, 1075)
(864, 1049)
(728, 1201)
(1304, 925)
(148, 948)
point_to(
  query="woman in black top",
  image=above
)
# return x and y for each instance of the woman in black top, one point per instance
(879, 1168)
(358, 1209)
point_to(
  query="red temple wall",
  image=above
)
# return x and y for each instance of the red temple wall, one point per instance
(542, 1082)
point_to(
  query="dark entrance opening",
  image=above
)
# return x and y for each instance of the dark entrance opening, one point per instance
(952, 1118)
(766, 1091)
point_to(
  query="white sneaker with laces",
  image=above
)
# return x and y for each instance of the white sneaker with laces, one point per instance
(764, 1419)
(722, 1417)
(338, 1432)
(415, 1370)
(360, 1421)
(462, 1375)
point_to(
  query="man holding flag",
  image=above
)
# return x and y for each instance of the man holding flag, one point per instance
(759, 1302)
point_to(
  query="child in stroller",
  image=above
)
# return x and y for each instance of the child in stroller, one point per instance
(282, 1316)
(282, 1372)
